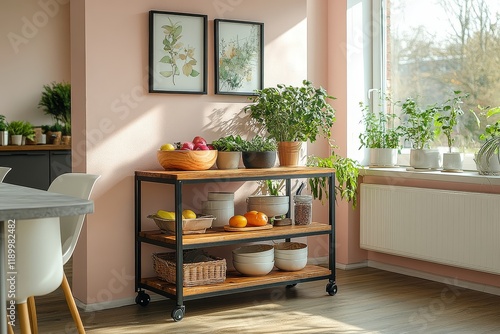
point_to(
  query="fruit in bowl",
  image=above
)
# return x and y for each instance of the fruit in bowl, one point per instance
(193, 155)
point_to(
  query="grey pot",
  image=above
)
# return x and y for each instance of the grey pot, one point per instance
(259, 159)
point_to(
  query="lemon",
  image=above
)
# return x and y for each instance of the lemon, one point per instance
(167, 147)
(188, 214)
(166, 214)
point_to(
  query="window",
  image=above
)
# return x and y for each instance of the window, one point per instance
(435, 47)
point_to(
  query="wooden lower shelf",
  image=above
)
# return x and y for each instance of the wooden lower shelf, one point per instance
(235, 281)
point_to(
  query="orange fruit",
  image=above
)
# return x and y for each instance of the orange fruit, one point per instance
(238, 221)
(257, 219)
(250, 214)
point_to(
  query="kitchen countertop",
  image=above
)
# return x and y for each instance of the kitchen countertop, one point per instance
(10, 148)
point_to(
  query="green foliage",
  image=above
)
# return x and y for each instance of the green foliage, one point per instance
(380, 130)
(491, 130)
(229, 143)
(176, 51)
(3, 124)
(259, 144)
(45, 128)
(418, 123)
(56, 101)
(346, 174)
(290, 113)
(447, 117)
(22, 128)
(56, 128)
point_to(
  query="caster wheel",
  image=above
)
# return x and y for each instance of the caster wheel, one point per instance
(178, 313)
(289, 286)
(142, 299)
(331, 288)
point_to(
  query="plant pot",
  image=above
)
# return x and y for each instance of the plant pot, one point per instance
(425, 159)
(228, 160)
(66, 140)
(383, 157)
(4, 138)
(16, 140)
(488, 166)
(453, 161)
(289, 153)
(259, 159)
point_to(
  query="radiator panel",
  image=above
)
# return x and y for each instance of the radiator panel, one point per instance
(449, 227)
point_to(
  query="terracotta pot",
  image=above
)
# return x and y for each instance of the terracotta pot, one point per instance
(289, 153)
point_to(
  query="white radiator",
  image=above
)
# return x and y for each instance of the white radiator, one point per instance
(449, 227)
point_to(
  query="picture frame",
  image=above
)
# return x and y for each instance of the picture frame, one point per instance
(239, 57)
(177, 53)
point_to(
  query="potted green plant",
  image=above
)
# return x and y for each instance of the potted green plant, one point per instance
(292, 115)
(380, 136)
(446, 122)
(54, 135)
(488, 156)
(4, 133)
(418, 128)
(20, 130)
(56, 102)
(259, 152)
(229, 151)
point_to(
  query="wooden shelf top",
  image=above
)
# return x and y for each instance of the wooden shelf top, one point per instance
(218, 235)
(242, 173)
(14, 148)
(235, 280)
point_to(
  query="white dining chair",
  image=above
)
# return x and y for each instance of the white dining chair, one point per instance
(77, 185)
(3, 172)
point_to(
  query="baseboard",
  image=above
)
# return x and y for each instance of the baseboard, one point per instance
(436, 278)
(115, 303)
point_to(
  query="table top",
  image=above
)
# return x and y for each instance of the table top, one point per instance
(17, 202)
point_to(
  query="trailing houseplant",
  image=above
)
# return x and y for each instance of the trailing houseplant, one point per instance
(417, 127)
(292, 114)
(380, 136)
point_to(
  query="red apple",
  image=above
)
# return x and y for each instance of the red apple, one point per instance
(199, 140)
(211, 147)
(201, 147)
(187, 146)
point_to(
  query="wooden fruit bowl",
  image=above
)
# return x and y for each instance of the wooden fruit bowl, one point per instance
(186, 160)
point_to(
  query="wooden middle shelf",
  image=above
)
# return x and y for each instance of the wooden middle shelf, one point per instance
(219, 236)
(235, 281)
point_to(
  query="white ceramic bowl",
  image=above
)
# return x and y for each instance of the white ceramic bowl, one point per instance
(290, 265)
(288, 256)
(290, 250)
(270, 205)
(256, 250)
(251, 259)
(254, 269)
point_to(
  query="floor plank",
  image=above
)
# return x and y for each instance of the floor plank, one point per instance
(369, 301)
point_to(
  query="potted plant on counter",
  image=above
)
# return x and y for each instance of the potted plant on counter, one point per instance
(259, 152)
(292, 115)
(20, 131)
(229, 151)
(380, 136)
(418, 128)
(447, 120)
(4, 132)
(488, 157)
(56, 102)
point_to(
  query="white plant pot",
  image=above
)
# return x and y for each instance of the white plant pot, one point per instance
(425, 159)
(16, 140)
(4, 138)
(453, 161)
(383, 157)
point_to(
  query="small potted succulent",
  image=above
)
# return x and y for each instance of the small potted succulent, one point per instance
(259, 152)
(4, 133)
(229, 151)
(292, 115)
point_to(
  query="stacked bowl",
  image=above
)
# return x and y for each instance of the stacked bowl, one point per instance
(290, 256)
(254, 260)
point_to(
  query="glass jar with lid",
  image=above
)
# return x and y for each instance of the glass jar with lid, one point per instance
(302, 212)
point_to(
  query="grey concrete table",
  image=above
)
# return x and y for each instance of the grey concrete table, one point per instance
(18, 202)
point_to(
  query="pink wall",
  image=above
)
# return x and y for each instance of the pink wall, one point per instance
(121, 125)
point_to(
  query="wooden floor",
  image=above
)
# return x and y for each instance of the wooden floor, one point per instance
(368, 301)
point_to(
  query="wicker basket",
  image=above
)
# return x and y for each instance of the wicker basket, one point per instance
(211, 270)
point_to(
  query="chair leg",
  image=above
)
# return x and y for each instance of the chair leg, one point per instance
(24, 321)
(32, 315)
(72, 305)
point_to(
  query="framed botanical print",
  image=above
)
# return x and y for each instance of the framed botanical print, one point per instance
(177, 53)
(239, 55)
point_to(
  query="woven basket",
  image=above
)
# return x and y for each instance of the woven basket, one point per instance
(197, 273)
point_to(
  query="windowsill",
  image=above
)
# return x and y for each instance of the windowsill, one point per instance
(471, 177)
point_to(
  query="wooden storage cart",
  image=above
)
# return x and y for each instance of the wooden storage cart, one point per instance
(234, 282)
